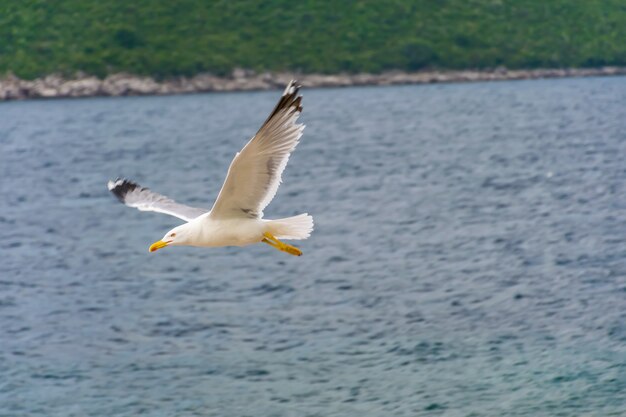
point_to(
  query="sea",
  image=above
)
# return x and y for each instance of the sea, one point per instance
(468, 258)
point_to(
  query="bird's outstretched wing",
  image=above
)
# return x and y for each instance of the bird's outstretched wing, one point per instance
(255, 172)
(134, 195)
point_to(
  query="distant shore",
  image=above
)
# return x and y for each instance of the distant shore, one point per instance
(55, 86)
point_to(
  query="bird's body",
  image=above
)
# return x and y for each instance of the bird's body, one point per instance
(228, 232)
(236, 218)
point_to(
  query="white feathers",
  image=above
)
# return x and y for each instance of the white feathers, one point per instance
(296, 227)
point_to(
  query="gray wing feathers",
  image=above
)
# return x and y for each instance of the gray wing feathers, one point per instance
(142, 198)
(255, 173)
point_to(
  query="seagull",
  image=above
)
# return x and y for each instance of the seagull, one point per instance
(252, 181)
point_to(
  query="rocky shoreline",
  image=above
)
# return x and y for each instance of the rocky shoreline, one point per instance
(55, 86)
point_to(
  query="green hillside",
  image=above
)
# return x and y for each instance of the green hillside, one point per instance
(185, 37)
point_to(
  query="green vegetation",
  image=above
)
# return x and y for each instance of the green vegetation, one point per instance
(184, 37)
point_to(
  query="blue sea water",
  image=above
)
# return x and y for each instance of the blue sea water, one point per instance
(469, 257)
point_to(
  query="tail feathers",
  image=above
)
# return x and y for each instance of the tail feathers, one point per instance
(296, 227)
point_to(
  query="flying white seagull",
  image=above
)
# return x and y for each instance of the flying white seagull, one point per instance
(254, 175)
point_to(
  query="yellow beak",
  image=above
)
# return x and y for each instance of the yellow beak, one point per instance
(158, 245)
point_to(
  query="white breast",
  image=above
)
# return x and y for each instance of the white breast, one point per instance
(227, 232)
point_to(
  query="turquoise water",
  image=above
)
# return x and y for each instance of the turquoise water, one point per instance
(469, 257)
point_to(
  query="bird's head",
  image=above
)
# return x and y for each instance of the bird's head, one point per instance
(177, 236)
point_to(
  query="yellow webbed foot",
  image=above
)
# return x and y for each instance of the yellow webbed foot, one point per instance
(281, 246)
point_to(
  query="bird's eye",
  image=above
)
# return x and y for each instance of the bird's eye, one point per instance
(173, 235)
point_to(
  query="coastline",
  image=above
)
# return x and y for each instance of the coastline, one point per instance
(55, 86)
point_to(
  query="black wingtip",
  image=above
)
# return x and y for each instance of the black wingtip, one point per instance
(121, 186)
(291, 96)
(291, 99)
